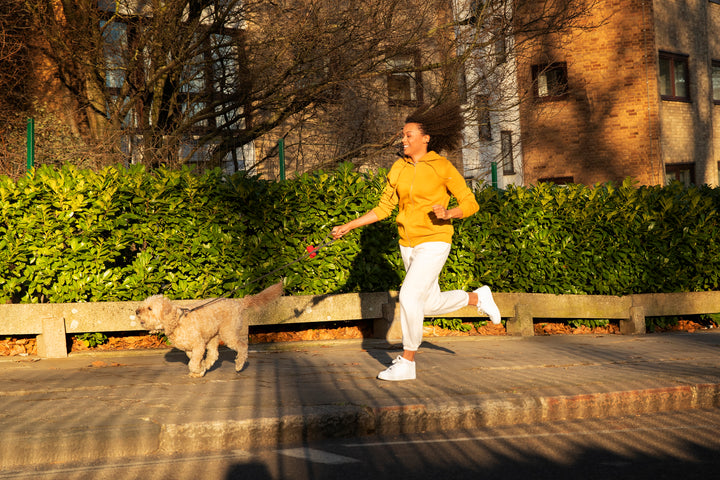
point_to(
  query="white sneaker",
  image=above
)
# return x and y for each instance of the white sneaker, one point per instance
(486, 304)
(401, 369)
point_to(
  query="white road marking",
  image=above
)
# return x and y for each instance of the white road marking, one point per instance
(527, 435)
(317, 456)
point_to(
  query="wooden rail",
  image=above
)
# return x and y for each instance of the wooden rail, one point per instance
(53, 322)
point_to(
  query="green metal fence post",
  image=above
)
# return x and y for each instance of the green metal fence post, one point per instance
(30, 144)
(281, 153)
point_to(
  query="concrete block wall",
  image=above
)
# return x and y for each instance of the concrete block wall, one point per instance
(52, 322)
(714, 52)
(689, 130)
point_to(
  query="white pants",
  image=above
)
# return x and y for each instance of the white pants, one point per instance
(420, 294)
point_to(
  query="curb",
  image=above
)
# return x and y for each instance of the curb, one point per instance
(32, 448)
(345, 422)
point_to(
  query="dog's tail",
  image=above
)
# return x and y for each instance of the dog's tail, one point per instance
(265, 297)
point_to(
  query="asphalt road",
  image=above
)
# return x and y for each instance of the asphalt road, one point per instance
(662, 446)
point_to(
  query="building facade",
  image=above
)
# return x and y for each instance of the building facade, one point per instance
(636, 96)
(492, 151)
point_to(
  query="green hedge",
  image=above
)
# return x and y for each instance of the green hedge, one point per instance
(602, 240)
(74, 235)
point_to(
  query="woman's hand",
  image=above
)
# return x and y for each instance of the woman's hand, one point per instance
(340, 230)
(367, 219)
(442, 213)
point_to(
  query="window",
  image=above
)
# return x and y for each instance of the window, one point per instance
(482, 106)
(318, 76)
(500, 49)
(673, 78)
(404, 82)
(499, 31)
(681, 172)
(550, 80)
(716, 81)
(115, 42)
(198, 106)
(506, 147)
(462, 86)
(474, 13)
(557, 180)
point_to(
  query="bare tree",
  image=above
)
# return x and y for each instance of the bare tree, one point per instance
(464, 52)
(223, 73)
(14, 72)
(14, 62)
(168, 80)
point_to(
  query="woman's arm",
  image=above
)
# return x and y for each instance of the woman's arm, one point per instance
(367, 219)
(467, 203)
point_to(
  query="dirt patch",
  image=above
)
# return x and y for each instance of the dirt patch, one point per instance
(122, 342)
(320, 331)
(688, 326)
(554, 328)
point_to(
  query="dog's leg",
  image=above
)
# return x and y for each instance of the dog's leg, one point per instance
(197, 364)
(211, 354)
(242, 354)
(241, 348)
(238, 341)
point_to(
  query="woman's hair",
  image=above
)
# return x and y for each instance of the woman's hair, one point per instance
(443, 122)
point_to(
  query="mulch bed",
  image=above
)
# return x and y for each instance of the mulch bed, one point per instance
(25, 346)
(12, 347)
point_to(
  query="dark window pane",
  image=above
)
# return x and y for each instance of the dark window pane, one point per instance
(664, 80)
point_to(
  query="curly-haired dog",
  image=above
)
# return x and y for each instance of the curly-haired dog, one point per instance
(200, 331)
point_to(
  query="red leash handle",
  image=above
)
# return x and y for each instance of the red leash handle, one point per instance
(312, 251)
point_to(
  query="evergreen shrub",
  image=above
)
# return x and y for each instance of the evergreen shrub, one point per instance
(72, 235)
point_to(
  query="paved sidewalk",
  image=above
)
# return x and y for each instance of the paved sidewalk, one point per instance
(111, 405)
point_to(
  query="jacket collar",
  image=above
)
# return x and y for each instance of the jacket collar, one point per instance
(428, 157)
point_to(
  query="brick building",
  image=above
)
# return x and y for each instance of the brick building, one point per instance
(638, 96)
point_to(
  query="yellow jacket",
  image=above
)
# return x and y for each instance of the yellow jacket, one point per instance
(415, 188)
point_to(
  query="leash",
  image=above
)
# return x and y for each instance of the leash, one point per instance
(310, 252)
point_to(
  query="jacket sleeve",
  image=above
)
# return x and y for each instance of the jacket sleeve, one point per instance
(458, 188)
(389, 196)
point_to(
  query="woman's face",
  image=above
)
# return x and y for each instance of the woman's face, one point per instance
(414, 141)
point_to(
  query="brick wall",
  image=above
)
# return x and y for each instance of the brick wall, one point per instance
(606, 127)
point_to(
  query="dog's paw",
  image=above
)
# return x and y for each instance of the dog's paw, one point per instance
(196, 374)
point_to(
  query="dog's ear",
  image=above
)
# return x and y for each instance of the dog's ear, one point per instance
(168, 309)
(170, 314)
